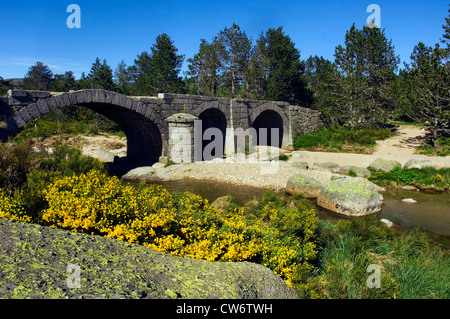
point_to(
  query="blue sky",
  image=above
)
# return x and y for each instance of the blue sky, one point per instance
(32, 31)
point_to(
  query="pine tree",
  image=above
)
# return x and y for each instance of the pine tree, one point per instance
(158, 71)
(39, 77)
(206, 67)
(282, 68)
(428, 93)
(100, 76)
(64, 82)
(364, 84)
(235, 57)
(165, 66)
(123, 78)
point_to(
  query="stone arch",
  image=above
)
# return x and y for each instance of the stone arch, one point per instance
(224, 108)
(146, 132)
(269, 116)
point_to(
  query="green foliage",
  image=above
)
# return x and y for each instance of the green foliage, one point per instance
(442, 150)
(72, 120)
(15, 164)
(100, 76)
(157, 71)
(282, 79)
(342, 139)
(410, 266)
(425, 178)
(39, 77)
(68, 161)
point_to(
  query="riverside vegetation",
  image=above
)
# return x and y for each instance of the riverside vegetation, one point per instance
(318, 259)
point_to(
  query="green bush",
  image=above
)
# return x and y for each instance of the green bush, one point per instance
(342, 139)
(16, 161)
(424, 178)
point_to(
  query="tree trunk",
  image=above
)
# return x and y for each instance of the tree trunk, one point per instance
(435, 134)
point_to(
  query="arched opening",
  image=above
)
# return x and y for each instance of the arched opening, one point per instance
(264, 124)
(213, 142)
(144, 142)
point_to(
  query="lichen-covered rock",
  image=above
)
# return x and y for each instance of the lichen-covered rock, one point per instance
(222, 203)
(34, 262)
(331, 166)
(351, 196)
(140, 173)
(418, 163)
(301, 184)
(359, 171)
(384, 165)
(299, 165)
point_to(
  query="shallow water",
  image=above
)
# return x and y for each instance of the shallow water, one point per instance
(431, 213)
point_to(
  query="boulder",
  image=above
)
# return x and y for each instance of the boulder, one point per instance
(140, 173)
(351, 196)
(296, 155)
(418, 163)
(326, 166)
(112, 268)
(359, 171)
(300, 165)
(105, 156)
(387, 222)
(222, 203)
(384, 165)
(301, 184)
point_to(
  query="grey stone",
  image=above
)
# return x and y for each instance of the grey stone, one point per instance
(140, 173)
(418, 163)
(331, 166)
(409, 200)
(222, 203)
(387, 222)
(359, 171)
(105, 156)
(300, 165)
(351, 196)
(302, 184)
(384, 165)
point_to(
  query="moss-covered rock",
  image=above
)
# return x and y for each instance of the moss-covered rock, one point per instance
(384, 165)
(301, 184)
(34, 263)
(351, 196)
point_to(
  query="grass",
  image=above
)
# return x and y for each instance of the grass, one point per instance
(443, 150)
(427, 178)
(410, 266)
(342, 139)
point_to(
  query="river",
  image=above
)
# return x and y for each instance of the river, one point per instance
(431, 213)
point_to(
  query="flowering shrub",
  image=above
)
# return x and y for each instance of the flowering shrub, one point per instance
(10, 208)
(276, 234)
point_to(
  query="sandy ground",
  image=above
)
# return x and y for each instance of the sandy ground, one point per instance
(400, 148)
(275, 175)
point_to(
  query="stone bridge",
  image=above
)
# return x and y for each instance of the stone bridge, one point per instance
(149, 123)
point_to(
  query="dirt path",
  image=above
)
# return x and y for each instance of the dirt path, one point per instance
(400, 148)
